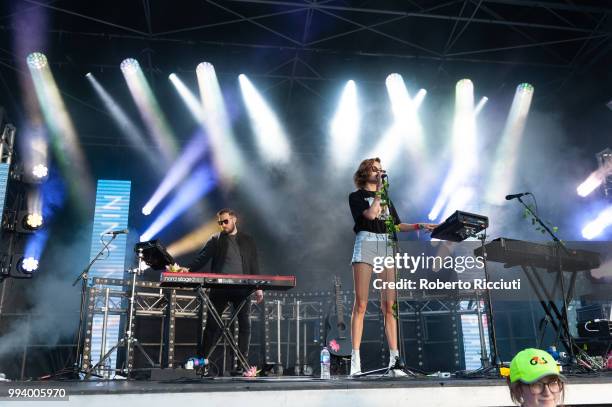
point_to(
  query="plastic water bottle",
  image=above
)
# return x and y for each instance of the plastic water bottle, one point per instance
(325, 364)
(193, 363)
(553, 352)
(107, 368)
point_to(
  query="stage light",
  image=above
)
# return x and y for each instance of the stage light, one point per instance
(596, 227)
(28, 264)
(149, 110)
(129, 65)
(40, 171)
(32, 221)
(270, 136)
(345, 127)
(21, 266)
(37, 60)
(202, 181)
(501, 180)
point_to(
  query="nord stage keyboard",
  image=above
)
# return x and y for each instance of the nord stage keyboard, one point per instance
(215, 280)
(521, 253)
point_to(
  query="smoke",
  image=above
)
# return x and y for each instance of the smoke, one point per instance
(51, 300)
(550, 166)
(305, 206)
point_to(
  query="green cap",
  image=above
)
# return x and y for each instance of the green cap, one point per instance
(530, 365)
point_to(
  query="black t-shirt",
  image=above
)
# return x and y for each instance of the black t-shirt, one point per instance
(359, 201)
(233, 258)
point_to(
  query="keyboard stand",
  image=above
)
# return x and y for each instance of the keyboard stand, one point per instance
(558, 317)
(225, 327)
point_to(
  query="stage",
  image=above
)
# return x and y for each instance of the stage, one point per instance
(304, 391)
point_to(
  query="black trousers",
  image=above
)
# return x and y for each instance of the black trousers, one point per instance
(220, 299)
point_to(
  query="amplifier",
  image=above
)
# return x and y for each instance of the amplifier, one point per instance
(597, 328)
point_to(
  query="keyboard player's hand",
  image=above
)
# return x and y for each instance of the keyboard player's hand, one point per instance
(175, 268)
(429, 227)
(259, 296)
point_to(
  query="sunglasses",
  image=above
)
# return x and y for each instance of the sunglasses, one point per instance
(223, 222)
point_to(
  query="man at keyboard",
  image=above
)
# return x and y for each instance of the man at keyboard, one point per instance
(228, 252)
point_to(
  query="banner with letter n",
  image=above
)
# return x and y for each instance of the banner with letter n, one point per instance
(4, 173)
(472, 348)
(111, 213)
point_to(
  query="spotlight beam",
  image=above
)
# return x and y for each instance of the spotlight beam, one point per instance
(458, 185)
(149, 109)
(596, 227)
(189, 98)
(227, 158)
(199, 184)
(194, 239)
(128, 128)
(194, 151)
(344, 127)
(270, 137)
(405, 115)
(501, 180)
(597, 177)
(64, 138)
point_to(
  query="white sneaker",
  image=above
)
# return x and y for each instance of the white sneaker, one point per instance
(355, 365)
(397, 373)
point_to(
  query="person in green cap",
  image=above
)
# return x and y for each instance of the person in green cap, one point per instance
(535, 380)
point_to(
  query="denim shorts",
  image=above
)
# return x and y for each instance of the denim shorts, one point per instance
(369, 245)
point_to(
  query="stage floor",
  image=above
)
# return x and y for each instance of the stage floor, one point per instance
(304, 391)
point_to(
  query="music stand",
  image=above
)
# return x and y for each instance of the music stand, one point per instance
(154, 254)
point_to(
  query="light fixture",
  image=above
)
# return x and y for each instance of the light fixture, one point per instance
(32, 221)
(37, 60)
(129, 65)
(40, 171)
(28, 264)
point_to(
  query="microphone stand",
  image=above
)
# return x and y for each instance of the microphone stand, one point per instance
(487, 365)
(399, 360)
(77, 366)
(563, 247)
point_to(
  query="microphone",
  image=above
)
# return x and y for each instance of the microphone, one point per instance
(117, 232)
(514, 196)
